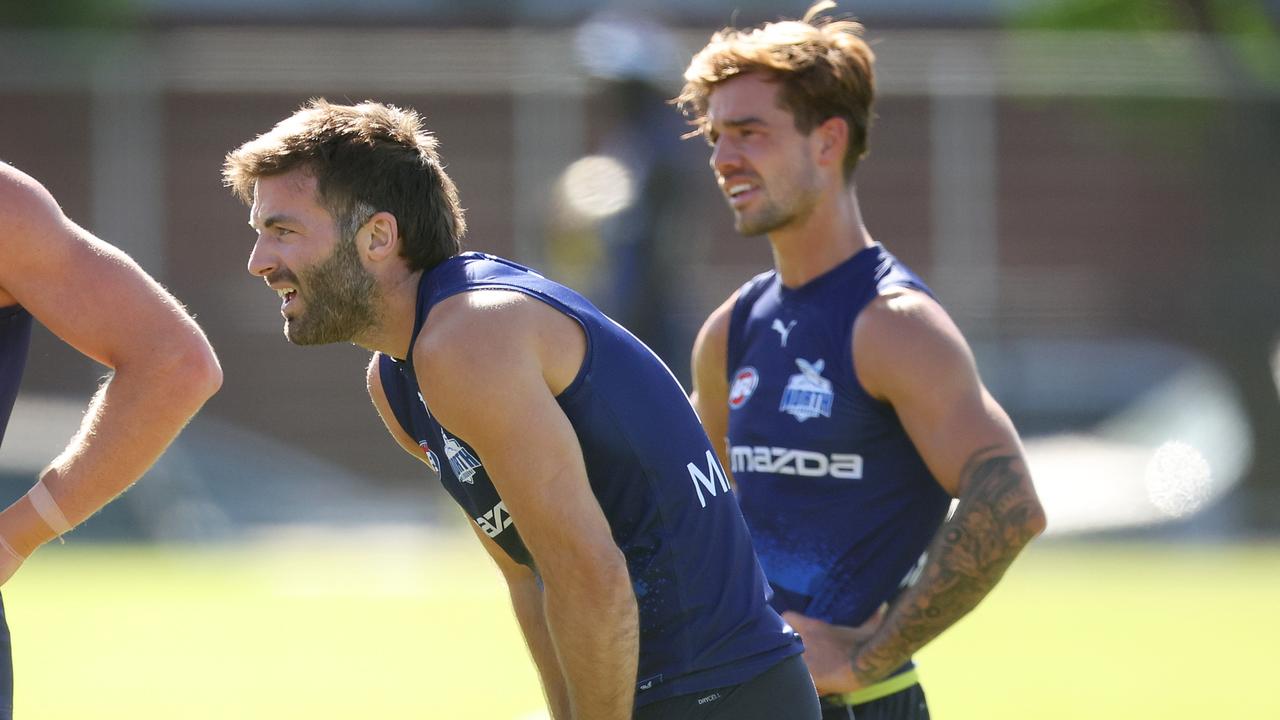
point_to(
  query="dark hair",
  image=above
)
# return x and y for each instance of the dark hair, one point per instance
(366, 158)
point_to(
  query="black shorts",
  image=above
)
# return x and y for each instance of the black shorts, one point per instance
(906, 704)
(783, 691)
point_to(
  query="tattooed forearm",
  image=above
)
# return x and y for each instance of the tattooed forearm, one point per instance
(997, 515)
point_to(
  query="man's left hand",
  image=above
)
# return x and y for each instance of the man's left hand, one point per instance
(829, 649)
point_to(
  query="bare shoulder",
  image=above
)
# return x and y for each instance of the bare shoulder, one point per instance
(32, 231)
(17, 186)
(714, 333)
(26, 208)
(710, 356)
(905, 334)
(373, 376)
(901, 320)
(468, 323)
(497, 335)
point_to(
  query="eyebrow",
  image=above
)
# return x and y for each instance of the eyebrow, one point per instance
(711, 132)
(273, 220)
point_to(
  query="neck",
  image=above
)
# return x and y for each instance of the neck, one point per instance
(829, 234)
(397, 312)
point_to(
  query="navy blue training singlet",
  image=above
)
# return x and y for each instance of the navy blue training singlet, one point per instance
(705, 621)
(839, 502)
(15, 337)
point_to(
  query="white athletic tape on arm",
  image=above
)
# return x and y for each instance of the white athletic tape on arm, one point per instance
(47, 509)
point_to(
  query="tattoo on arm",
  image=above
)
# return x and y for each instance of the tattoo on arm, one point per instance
(997, 515)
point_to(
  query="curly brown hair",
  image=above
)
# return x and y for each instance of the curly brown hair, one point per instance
(823, 65)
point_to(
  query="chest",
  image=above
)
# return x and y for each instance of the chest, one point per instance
(793, 385)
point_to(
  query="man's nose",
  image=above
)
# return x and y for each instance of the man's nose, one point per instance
(261, 262)
(724, 158)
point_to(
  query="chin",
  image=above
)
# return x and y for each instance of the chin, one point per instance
(302, 335)
(305, 340)
(298, 336)
(761, 225)
(747, 224)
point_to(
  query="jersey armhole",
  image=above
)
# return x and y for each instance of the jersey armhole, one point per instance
(748, 294)
(889, 282)
(393, 386)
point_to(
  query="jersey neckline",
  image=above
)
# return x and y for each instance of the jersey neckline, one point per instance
(872, 251)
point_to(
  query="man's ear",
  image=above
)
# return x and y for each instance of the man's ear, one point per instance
(379, 237)
(832, 140)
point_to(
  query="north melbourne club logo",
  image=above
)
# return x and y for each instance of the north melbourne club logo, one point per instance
(461, 461)
(744, 383)
(808, 394)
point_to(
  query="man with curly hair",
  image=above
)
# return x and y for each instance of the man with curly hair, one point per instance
(842, 397)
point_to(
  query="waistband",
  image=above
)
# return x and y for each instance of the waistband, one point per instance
(884, 688)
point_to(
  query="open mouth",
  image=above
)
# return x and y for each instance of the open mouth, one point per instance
(740, 192)
(287, 296)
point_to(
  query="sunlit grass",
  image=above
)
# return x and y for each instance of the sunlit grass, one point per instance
(422, 629)
(267, 632)
(1113, 631)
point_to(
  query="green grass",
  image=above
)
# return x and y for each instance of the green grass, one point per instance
(416, 630)
(267, 632)
(1114, 631)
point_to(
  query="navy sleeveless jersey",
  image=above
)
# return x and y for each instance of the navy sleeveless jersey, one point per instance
(840, 505)
(705, 620)
(15, 336)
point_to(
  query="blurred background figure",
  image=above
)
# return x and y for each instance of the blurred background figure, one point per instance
(626, 229)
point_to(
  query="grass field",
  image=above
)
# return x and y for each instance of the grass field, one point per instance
(416, 629)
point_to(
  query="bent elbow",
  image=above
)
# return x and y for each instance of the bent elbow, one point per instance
(1036, 521)
(207, 374)
(602, 571)
(194, 373)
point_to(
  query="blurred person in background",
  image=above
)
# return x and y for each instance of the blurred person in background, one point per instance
(575, 455)
(841, 395)
(97, 299)
(646, 256)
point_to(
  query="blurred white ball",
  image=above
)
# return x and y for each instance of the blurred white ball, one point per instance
(597, 186)
(1178, 479)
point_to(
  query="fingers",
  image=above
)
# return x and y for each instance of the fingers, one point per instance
(877, 617)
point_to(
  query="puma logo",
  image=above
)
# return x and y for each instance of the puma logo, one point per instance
(783, 330)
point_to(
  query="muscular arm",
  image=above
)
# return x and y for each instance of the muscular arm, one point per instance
(490, 364)
(910, 354)
(710, 396)
(526, 596)
(526, 601)
(99, 301)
